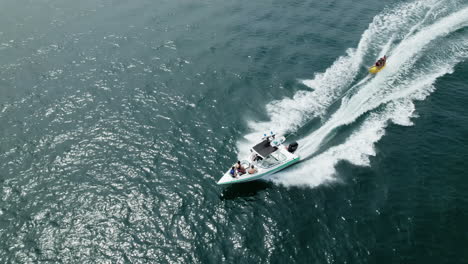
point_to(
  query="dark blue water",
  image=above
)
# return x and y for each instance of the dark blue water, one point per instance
(117, 119)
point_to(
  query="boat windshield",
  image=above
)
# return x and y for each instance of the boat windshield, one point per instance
(272, 160)
(279, 156)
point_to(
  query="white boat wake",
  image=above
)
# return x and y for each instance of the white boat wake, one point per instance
(423, 40)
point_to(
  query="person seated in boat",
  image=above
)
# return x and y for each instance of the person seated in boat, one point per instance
(238, 165)
(240, 168)
(252, 170)
(232, 172)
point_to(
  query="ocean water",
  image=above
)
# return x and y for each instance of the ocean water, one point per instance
(117, 118)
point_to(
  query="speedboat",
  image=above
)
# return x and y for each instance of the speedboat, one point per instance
(267, 157)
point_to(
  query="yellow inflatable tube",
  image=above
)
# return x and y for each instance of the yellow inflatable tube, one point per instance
(374, 69)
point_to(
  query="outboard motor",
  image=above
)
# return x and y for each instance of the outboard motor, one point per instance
(293, 147)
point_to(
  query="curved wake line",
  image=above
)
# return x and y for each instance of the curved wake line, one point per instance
(422, 43)
(378, 91)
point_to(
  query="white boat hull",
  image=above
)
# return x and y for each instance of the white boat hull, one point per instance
(262, 171)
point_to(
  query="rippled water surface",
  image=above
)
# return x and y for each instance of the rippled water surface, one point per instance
(117, 118)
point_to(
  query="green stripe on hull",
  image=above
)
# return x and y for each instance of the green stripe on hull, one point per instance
(263, 174)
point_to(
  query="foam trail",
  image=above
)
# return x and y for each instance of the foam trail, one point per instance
(356, 150)
(394, 88)
(423, 42)
(360, 145)
(374, 94)
(288, 114)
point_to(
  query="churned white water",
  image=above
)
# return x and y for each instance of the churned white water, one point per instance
(421, 41)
